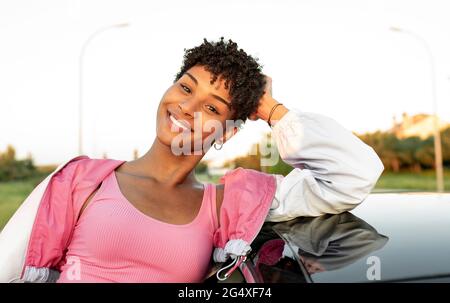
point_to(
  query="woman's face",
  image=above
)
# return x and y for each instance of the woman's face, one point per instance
(193, 112)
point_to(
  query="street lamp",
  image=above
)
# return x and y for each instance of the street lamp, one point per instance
(81, 69)
(437, 135)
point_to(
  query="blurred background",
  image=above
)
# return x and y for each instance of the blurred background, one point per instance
(86, 77)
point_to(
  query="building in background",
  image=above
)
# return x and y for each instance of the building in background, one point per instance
(420, 125)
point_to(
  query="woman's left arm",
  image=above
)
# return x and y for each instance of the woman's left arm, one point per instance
(334, 170)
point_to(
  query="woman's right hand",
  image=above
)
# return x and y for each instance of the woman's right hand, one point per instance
(266, 103)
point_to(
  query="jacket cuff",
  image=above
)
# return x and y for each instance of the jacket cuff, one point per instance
(233, 248)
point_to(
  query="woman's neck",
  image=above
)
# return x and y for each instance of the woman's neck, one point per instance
(160, 164)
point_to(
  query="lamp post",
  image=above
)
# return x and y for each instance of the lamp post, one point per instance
(81, 70)
(437, 135)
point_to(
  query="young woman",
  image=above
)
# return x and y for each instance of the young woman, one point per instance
(150, 220)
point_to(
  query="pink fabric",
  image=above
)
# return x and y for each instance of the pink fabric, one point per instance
(270, 253)
(248, 195)
(114, 242)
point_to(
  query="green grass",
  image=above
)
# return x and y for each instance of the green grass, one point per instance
(12, 194)
(207, 179)
(423, 181)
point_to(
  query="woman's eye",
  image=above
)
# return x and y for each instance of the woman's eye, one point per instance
(185, 88)
(211, 108)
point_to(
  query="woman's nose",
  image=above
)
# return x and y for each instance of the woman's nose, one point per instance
(187, 108)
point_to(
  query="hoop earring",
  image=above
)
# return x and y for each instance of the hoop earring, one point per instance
(220, 146)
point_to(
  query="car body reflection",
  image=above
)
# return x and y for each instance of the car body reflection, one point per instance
(293, 251)
(407, 233)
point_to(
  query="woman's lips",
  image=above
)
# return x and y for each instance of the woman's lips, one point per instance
(180, 124)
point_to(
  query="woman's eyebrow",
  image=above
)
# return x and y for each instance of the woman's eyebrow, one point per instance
(228, 104)
(192, 77)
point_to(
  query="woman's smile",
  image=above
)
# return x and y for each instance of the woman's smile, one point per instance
(180, 124)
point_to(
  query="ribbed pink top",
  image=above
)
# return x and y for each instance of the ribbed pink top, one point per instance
(115, 242)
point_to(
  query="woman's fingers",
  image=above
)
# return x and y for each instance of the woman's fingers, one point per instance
(264, 104)
(268, 88)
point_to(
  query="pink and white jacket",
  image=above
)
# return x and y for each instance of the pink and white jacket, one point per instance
(333, 172)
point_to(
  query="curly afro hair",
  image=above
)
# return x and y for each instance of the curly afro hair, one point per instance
(241, 72)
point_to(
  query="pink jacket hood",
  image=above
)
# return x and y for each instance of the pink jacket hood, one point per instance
(248, 195)
(60, 207)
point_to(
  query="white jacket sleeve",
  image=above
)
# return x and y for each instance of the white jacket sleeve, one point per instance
(333, 171)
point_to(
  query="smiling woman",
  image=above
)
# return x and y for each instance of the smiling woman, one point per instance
(150, 220)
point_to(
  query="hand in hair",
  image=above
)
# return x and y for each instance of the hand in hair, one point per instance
(266, 105)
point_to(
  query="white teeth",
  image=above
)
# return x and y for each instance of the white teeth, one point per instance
(177, 123)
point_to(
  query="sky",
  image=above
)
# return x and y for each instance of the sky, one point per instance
(336, 58)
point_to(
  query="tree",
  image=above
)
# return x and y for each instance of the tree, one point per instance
(12, 169)
(411, 153)
(201, 167)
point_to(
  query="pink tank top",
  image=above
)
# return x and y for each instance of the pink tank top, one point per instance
(115, 242)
